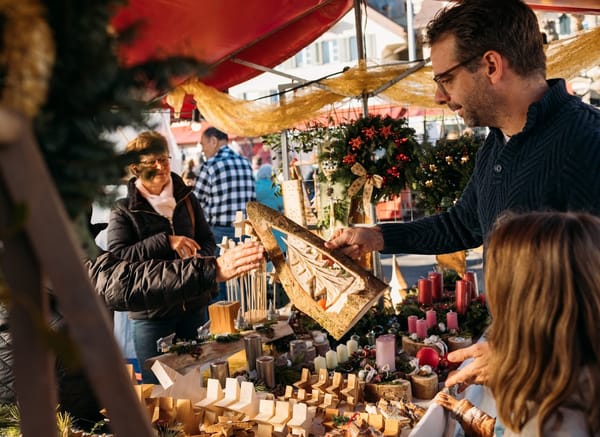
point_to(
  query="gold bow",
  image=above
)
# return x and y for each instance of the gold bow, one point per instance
(367, 182)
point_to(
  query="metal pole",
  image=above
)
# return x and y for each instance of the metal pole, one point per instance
(410, 30)
(360, 46)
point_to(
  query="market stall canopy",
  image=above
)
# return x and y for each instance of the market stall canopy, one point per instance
(263, 32)
(569, 6)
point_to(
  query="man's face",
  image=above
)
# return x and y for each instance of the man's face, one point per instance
(468, 94)
(209, 146)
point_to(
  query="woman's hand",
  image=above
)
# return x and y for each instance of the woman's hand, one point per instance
(475, 372)
(184, 246)
(240, 259)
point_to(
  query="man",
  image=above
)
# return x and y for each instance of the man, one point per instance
(542, 152)
(225, 184)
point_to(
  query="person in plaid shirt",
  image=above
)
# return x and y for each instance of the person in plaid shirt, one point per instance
(225, 184)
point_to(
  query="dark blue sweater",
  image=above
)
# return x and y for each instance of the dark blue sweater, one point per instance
(552, 164)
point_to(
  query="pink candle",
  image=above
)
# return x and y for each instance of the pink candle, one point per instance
(472, 278)
(452, 320)
(422, 329)
(463, 296)
(424, 294)
(385, 352)
(437, 285)
(412, 324)
(431, 317)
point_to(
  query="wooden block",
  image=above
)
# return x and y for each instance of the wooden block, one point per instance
(223, 315)
(392, 428)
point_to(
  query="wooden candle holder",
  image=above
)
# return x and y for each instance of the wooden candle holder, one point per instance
(424, 387)
(400, 390)
(222, 317)
(412, 347)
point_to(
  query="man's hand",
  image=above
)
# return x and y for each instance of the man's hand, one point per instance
(356, 242)
(240, 259)
(184, 246)
(475, 372)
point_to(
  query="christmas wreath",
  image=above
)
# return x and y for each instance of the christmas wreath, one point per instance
(374, 155)
(444, 170)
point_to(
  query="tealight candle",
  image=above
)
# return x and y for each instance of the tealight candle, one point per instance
(331, 359)
(352, 346)
(422, 329)
(431, 317)
(320, 363)
(451, 320)
(424, 291)
(385, 352)
(412, 324)
(342, 353)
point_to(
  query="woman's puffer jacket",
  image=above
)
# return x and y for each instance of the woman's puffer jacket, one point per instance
(136, 232)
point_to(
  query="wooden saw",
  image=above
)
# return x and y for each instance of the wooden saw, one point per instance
(325, 284)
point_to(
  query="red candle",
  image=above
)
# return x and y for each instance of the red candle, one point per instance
(412, 324)
(472, 278)
(431, 317)
(424, 294)
(437, 285)
(463, 296)
(451, 320)
(422, 329)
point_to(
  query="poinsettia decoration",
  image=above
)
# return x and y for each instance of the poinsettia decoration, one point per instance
(373, 156)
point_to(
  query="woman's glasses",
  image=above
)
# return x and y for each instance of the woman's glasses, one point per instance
(163, 160)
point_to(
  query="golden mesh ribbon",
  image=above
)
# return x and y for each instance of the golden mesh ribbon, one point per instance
(368, 183)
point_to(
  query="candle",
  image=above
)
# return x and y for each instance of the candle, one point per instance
(385, 352)
(424, 294)
(472, 278)
(253, 346)
(431, 317)
(321, 344)
(412, 324)
(463, 296)
(352, 346)
(451, 320)
(320, 363)
(331, 359)
(437, 285)
(342, 353)
(422, 329)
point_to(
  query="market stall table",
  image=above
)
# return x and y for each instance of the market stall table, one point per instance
(215, 350)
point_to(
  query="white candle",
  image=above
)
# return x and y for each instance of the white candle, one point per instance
(320, 363)
(331, 358)
(385, 352)
(342, 353)
(352, 346)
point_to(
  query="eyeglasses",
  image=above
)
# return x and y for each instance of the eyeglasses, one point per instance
(163, 160)
(439, 78)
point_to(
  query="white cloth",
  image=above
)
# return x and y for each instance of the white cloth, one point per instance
(163, 203)
(435, 423)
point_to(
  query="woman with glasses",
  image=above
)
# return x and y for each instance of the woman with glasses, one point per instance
(159, 219)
